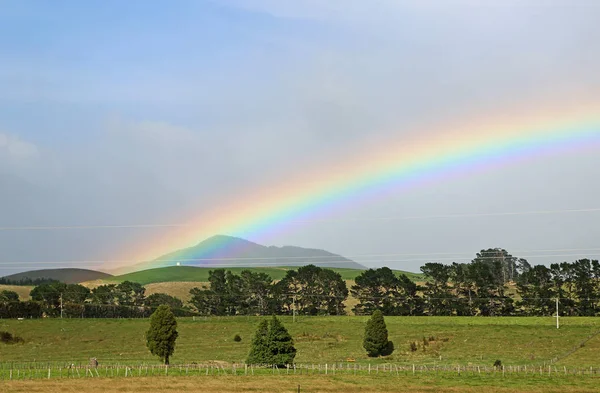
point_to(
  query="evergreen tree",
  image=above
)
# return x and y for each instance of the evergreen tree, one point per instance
(376, 336)
(281, 344)
(160, 338)
(259, 352)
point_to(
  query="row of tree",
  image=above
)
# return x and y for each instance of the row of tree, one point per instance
(310, 290)
(124, 300)
(494, 283)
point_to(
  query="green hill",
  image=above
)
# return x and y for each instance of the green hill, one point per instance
(200, 274)
(66, 275)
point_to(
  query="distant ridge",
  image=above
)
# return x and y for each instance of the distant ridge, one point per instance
(229, 251)
(66, 275)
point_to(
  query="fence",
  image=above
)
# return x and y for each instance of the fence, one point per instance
(30, 371)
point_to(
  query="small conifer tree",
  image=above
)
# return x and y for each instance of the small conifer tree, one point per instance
(272, 345)
(161, 337)
(259, 352)
(281, 344)
(376, 336)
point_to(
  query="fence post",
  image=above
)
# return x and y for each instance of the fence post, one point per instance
(325, 368)
(413, 369)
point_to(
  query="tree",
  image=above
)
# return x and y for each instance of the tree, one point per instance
(49, 295)
(381, 289)
(318, 291)
(9, 296)
(105, 294)
(158, 299)
(280, 344)
(272, 345)
(259, 352)
(161, 337)
(75, 293)
(376, 336)
(130, 293)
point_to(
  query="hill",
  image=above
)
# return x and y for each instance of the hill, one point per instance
(200, 274)
(228, 251)
(66, 275)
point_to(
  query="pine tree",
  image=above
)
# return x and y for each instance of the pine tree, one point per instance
(376, 336)
(281, 344)
(160, 338)
(259, 352)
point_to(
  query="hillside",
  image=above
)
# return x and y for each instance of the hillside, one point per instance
(228, 251)
(66, 275)
(200, 274)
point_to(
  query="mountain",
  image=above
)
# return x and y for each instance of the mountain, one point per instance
(228, 251)
(67, 275)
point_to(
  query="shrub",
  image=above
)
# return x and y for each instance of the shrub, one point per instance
(425, 342)
(8, 338)
(376, 337)
(498, 364)
(413, 346)
(237, 338)
(431, 338)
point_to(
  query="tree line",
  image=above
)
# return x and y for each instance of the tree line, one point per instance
(54, 298)
(494, 283)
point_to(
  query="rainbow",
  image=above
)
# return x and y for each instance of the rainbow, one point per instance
(429, 157)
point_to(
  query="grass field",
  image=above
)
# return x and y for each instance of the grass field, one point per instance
(313, 384)
(458, 340)
(200, 274)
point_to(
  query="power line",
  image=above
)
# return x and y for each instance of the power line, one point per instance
(389, 218)
(282, 260)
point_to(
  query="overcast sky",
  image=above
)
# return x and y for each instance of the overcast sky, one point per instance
(137, 112)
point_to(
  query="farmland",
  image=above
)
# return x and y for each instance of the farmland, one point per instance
(456, 340)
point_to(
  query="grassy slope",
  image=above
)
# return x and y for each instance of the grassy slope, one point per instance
(22, 290)
(471, 340)
(200, 274)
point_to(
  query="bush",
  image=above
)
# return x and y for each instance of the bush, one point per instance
(498, 364)
(8, 338)
(413, 346)
(425, 341)
(431, 338)
(237, 338)
(376, 337)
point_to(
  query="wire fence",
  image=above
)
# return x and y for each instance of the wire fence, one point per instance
(30, 371)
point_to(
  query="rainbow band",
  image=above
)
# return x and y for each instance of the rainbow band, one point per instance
(429, 158)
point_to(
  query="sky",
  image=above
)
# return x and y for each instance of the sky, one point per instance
(136, 113)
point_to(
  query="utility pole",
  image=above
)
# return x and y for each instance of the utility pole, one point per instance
(61, 305)
(557, 326)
